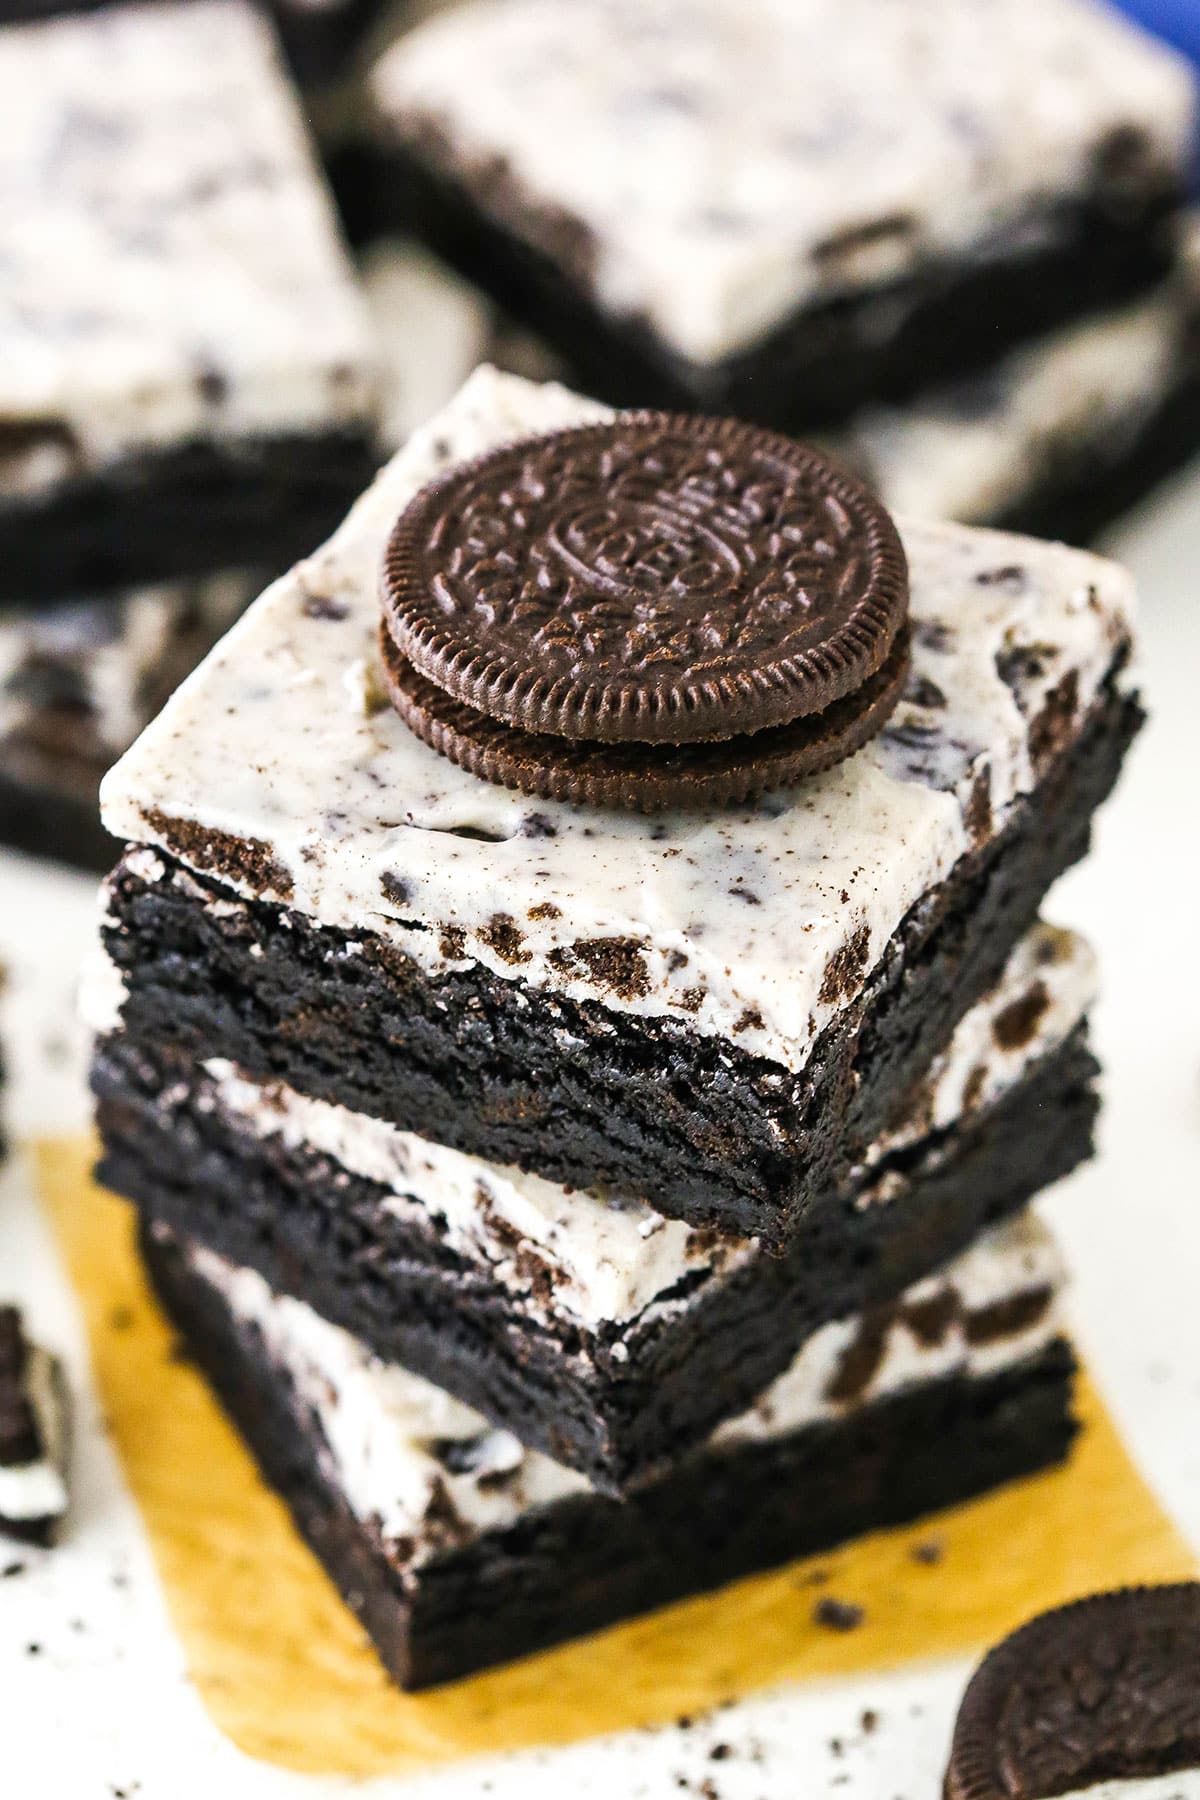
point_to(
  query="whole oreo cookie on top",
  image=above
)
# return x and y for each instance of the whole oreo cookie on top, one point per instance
(652, 611)
(1107, 1690)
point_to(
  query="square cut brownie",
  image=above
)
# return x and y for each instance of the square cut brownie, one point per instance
(588, 1325)
(34, 1436)
(79, 679)
(457, 1548)
(185, 363)
(719, 1008)
(786, 208)
(1059, 436)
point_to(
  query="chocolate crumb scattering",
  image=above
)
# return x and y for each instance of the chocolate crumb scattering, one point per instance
(838, 1615)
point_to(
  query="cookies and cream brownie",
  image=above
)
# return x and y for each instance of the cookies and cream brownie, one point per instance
(719, 1006)
(459, 1548)
(78, 681)
(1061, 435)
(34, 1435)
(912, 188)
(589, 1325)
(1099, 1700)
(185, 368)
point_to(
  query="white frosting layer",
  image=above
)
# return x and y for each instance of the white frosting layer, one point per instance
(109, 657)
(612, 1256)
(386, 1430)
(733, 163)
(38, 1490)
(973, 451)
(1184, 1786)
(730, 920)
(431, 329)
(172, 269)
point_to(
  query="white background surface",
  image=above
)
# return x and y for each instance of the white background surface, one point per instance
(94, 1699)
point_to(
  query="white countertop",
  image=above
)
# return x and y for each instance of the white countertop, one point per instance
(104, 1708)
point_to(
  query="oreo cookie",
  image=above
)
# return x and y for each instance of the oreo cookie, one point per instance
(1105, 1690)
(648, 612)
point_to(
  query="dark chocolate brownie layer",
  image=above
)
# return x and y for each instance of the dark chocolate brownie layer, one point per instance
(571, 1090)
(588, 1561)
(182, 512)
(615, 1401)
(821, 364)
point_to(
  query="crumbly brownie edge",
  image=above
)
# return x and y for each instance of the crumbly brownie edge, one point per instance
(956, 319)
(181, 512)
(611, 1403)
(589, 1561)
(575, 1092)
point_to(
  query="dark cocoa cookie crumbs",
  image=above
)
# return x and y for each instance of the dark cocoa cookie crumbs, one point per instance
(838, 1615)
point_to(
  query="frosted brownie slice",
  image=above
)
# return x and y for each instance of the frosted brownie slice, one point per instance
(1061, 435)
(185, 365)
(78, 680)
(34, 1434)
(912, 189)
(458, 1548)
(589, 1325)
(720, 1008)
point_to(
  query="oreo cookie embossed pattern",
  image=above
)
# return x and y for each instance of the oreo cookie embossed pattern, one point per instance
(672, 596)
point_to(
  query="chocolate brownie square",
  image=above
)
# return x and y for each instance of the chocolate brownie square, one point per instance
(457, 1548)
(78, 680)
(589, 1325)
(720, 1009)
(185, 364)
(788, 208)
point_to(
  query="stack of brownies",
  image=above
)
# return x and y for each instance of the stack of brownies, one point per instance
(948, 235)
(186, 378)
(575, 1022)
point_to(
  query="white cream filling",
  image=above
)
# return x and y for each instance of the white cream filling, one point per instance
(613, 1256)
(736, 916)
(380, 1424)
(172, 268)
(948, 121)
(38, 1490)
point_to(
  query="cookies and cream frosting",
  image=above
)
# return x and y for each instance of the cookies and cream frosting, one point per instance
(172, 267)
(757, 924)
(409, 1457)
(712, 169)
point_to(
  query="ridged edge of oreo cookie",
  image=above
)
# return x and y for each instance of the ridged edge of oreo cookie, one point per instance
(644, 778)
(684, 711)
(973, 1772)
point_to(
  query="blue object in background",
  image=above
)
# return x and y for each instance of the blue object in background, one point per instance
(1176, 20)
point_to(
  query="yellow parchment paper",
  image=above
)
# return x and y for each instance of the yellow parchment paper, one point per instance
(286, 1673)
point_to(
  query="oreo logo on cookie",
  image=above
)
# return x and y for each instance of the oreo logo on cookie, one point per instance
(626, 599)
(1105, 1690)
